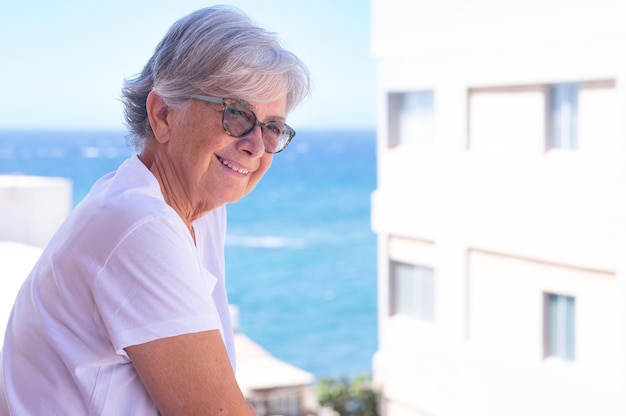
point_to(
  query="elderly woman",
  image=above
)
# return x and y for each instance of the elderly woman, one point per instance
(126, 311)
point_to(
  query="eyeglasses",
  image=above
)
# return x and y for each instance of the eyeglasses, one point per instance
(238, 121)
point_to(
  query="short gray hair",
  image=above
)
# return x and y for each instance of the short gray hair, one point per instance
(216, 51)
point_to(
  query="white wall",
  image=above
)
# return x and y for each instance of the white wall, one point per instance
(32, 208)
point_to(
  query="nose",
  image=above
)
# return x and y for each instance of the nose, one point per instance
(252, 143)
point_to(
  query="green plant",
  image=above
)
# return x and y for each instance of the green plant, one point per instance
(348, 397)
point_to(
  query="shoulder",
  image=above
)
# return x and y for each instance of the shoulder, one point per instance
(126, 198)
(121, 205)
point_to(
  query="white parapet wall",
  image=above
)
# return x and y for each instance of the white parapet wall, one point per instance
(32, 207)
(31, 210)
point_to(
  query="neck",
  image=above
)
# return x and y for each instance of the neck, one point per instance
(171, 187)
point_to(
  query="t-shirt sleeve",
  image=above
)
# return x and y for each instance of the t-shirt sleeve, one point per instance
(154, 286)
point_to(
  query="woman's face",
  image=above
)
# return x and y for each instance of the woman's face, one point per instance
(209, 167)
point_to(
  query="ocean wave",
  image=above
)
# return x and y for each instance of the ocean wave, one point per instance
(7, 152)
(93, 152)
(264, 242)
(90, 152)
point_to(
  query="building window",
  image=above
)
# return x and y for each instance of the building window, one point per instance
(412, 291)
(559, 326)
(563, 116)
(411, 118)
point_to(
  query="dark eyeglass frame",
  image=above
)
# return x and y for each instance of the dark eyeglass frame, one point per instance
(286, 131)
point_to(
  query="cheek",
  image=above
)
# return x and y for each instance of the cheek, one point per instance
(266, 162)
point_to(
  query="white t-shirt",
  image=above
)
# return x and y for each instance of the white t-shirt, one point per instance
(122, 270)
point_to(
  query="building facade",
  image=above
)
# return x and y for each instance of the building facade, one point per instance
(500, 207)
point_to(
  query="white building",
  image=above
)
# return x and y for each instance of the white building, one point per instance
(500, 208)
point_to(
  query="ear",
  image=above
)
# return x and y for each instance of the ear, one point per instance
(158, 116)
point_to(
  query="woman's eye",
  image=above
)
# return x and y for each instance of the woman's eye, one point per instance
(274, 128)
(231, 111)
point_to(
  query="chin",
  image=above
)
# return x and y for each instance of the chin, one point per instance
(235, 198)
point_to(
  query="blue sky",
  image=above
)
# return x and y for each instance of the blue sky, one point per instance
(63, 62)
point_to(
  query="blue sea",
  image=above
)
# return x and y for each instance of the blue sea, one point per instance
(300, 254)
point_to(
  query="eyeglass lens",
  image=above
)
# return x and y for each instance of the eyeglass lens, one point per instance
(239, 121)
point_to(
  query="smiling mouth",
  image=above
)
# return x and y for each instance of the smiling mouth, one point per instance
(236, 169)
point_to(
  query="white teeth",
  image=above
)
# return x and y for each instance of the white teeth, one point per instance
(242, 171)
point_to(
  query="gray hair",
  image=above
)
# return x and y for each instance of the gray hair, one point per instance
(216, 51)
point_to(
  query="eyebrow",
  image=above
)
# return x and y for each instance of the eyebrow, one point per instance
(253, 108)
